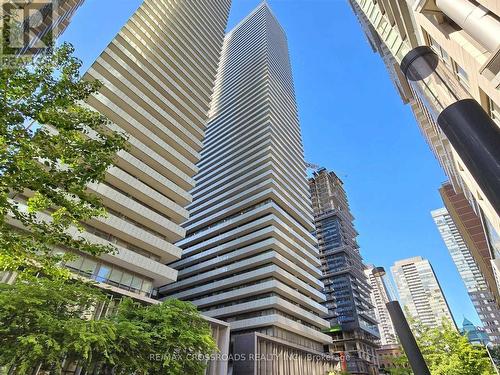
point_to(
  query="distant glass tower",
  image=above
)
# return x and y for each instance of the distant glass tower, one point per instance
(249, 257)
(350, 312)
(420, 293)
(474, 281)
(474, 334)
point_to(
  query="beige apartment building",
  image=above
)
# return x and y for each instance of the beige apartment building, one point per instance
(420, 293)
(158, 77)
(465, 34)
(380, 295)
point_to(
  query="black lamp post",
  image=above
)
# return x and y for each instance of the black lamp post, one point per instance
(470, 130)
(403, 330)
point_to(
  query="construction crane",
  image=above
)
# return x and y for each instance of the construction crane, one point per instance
(316, 167)
(312, 166)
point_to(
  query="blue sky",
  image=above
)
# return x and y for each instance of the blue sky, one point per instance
(353, 122)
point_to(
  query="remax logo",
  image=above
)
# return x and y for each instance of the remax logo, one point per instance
(27, 26)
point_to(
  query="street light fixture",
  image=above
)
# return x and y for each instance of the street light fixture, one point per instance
(469, 129)
(403, 330)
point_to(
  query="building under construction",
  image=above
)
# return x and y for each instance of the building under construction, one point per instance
(350, 312)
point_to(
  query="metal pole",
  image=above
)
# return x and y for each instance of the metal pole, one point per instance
(469, 129)
(407, 340)
(491, 359)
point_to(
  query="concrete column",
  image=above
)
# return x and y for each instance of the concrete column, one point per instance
(476, 20)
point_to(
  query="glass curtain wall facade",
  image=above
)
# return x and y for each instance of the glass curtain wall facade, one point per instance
(350, 311)
(476, 286)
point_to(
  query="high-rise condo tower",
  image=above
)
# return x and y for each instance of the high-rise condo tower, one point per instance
(158, 76)
(475, 283)
(380, 295)
(249, 257)
(420, 293)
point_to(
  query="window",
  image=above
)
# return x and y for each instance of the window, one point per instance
(115, 277)
(439, 50)
(494, 110)
(462, 75)
(89, 266)
(103, 273)
(75, 263)
(111, 274)
(126, 280)
(136, 284)
(147, 286)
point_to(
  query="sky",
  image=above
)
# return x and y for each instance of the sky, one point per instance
(353, 122)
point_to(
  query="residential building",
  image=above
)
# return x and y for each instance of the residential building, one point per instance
(57, 16)
(350, 310)
(471, 229)
(420, 293)
(249, 257)
(157, 88)
(475, 334)
(158, 76)
(379, 296)
(387, 354)
(465, 35)
(475, 283)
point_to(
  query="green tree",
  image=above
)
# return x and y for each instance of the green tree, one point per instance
(495, 354)
(38, 319)
(400, 366)
(51, 147)
(180, 338)
(447, 352)
(44, 322)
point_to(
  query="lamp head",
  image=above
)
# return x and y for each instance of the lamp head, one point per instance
(378, 271)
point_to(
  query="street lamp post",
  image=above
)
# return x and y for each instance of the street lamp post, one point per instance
(403, 330)
(491, 357)
(469, 129)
